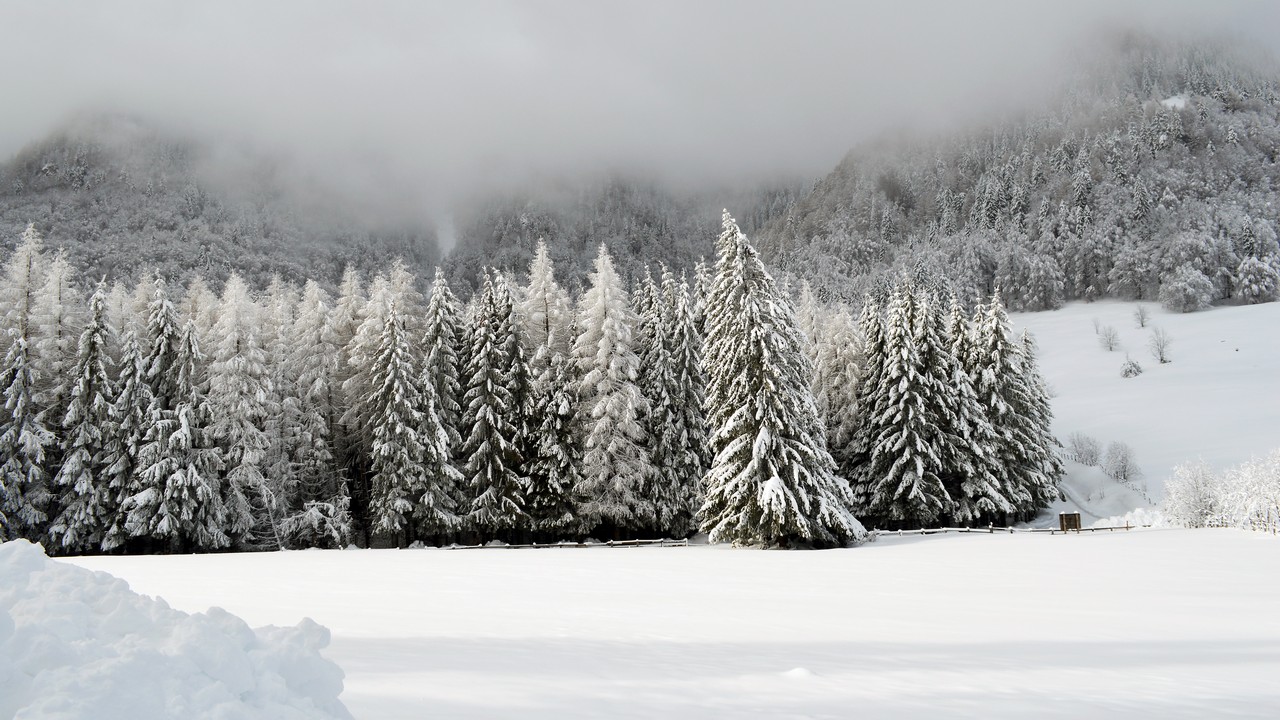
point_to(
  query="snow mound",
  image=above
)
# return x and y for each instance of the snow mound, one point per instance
(1139, 517)
(80, 644)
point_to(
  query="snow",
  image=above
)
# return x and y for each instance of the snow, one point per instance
(77, 644)
(1164, 623)
(1177, 102)
(1215, 401)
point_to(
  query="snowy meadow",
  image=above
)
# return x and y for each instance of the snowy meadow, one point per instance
(1145, 624)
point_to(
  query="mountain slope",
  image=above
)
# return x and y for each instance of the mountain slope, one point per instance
(1158, 155)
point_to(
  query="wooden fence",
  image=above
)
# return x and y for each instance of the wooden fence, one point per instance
(577, 546)
(991, 530)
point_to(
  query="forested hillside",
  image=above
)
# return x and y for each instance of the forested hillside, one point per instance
(1156, 170)
(642, 222)
(122, 198)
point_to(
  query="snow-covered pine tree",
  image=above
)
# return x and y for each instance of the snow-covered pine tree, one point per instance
(545, 308)
(56, 320)
(672, 514)
(442, 370)
(516, 372)
(837, 367)
(965, 438)
(282, 424)
(616, 468)
(1043, 468)
(686, 422)
(908, 422)
(179, 506)
(979, 495)
(162, 334)
(123, 436)
(344, 323)
(551, 499)
(403, 437)
(23, 278)
(87, 508)
(358, 390)
(24, 482)
(492, 471)
(319, 513)
(772, 481)
(239, 389)
(854, 456)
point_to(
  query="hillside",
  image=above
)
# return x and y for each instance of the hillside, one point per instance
(1214, 401)
(1158, 156)
(122, 196)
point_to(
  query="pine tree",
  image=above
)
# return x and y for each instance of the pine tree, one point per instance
(23, 278)
(123, 436)
(442, 368)
(24, 482)
(979, 494)
(854, 456)
(545, 308)
(320, 511)
(87, 505)
(907, 424)
(686, 424)
(772, 481)
(1043, 468)
(239, 389)
(493, 459)
(672, 516)
(179, 504)
(616, 468)
(56, 323)
(551, 498)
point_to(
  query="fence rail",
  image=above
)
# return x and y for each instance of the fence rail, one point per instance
(576, 546)
(991, 530)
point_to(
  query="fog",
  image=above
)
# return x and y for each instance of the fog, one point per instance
(428, 103)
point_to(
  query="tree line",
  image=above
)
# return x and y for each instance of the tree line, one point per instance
(147, 420)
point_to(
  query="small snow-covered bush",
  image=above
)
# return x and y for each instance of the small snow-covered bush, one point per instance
(1118, 463)
(1086, 450)
(1130, 368)
(1187, 291)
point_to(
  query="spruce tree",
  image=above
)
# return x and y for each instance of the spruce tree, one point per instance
(239, 390)
(86, 501)
(442, 370)
(319, 513)
(24, 481)
(909, 420)
(771, 481)
(685, 396)
(616, 467)
(492, 472)
(123, 437)
(545, 308)
(551, 499)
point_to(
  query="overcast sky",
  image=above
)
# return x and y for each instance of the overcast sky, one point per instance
(440, 98)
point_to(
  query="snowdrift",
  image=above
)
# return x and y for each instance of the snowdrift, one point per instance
(75, 643)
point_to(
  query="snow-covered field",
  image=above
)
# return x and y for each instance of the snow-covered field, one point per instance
(1219, 398)
(1145, 624)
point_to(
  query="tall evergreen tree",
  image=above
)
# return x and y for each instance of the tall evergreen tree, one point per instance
(545, 307)
(239, 390)
(86, 500)
(24, 482)
(616, 468)
(443, 367)
(551, 498)
(771, 481)
(493, 459)
(123, 437)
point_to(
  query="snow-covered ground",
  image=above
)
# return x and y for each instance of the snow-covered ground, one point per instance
(1216, 400)
(1144, 624)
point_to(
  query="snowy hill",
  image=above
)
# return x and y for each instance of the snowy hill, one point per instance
(1216, 400)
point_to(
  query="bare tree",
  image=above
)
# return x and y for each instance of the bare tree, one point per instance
(1159, 344)
(1118, 463)
(1108, 338)
(1085, 449)
(1142, 315)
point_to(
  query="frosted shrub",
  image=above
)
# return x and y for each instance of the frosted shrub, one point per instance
(1118, 463)
(1193, 495)
(1086, 450)
(1251, 498)
(1130, 368)
(1187, 291)
(1141, 315)
(1159, 345)
(1108, 338)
